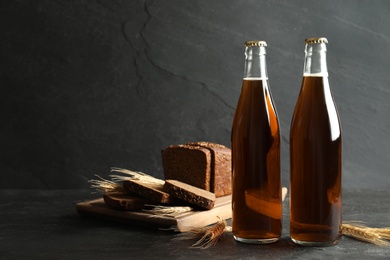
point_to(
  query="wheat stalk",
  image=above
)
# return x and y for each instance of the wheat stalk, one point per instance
(212, 235)
(105, 186)
(132, 175)
(377, 236)
(207, 236)
(158, 210)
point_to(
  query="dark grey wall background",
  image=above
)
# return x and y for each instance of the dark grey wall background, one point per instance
(86, 85)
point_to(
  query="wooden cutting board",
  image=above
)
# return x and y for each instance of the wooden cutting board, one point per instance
(182, 221)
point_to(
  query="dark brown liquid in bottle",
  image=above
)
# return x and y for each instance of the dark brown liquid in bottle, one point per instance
(315, 157)
(256, 200)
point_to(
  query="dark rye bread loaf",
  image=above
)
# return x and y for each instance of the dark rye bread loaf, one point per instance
(127, 202)
(190, 194)
(189, 164)
(151, 191)
(202, 164)
(221, 165)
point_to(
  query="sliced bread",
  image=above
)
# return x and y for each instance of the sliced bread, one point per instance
(125, 202)
(191, 194)
(152, 191)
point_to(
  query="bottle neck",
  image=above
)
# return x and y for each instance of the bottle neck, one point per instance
(255, 65)
(315, 60)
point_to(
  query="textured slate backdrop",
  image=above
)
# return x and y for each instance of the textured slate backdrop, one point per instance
(86, 85)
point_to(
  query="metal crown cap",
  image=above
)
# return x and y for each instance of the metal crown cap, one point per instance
(255, 43)
(316, 40)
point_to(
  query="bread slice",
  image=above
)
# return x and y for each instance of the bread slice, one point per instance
(151, 191)
(125, 202)
(221, 168)
(188, 163)
(190, 194)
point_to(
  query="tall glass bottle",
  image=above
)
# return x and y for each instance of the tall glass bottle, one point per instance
(256, 198)
(315, 155)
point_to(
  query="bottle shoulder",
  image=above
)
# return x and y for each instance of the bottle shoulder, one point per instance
(255, 108)
(315, 112)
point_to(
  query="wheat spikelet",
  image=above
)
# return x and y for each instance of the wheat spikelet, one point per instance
(158, 210)
(212, 235)
(132, 175)
(377, 236)
(105, 186)
(383, 232)
(207, 236)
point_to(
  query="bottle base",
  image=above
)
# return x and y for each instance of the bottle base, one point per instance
(315, 244)
(256, 241)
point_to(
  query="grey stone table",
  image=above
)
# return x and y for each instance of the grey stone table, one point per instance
(42, 224)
